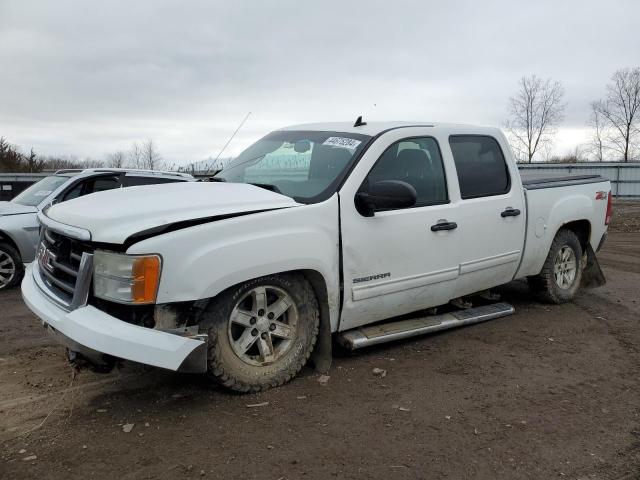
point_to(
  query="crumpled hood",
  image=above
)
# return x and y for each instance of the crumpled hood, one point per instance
(10, 208)
(115, 215)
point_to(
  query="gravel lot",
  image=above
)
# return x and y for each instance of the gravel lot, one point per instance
(550, 392)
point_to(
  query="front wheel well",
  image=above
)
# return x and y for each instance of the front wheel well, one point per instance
(322, 353)
(4, 238)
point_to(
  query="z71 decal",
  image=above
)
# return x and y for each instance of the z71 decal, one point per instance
(372, 277)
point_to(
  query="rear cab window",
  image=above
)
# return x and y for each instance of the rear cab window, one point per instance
(481, 166)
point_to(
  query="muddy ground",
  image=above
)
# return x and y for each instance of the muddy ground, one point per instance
(550, 392)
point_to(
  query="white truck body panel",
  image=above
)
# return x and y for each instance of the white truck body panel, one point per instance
(214, 256)
(550, 208)
(417, 267)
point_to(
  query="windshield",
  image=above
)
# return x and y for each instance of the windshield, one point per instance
(306, 166)
(37, 192)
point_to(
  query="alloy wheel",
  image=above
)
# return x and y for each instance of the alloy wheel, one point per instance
(7, 269)
(262, 325)
(565, 267)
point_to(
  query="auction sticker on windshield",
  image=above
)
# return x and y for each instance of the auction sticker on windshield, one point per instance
(349, 143)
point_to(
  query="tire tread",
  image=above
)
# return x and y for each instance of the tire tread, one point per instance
(544, 284)
(221, 375)
(19, 267)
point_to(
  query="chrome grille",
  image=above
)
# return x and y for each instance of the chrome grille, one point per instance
(59, 262)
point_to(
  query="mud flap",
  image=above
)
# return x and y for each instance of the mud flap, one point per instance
(322, 352)
(592, 275)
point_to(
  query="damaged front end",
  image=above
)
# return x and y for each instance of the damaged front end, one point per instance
(178, 319)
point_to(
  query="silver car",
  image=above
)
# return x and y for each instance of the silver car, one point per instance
(19, 229)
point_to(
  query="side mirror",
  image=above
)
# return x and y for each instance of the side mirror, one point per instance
(50, 204)
(385, 195)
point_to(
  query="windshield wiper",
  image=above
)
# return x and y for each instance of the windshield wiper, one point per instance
(266, 186)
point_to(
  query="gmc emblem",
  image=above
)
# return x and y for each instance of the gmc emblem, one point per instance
(46, 258)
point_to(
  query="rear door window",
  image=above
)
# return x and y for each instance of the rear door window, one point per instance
(92, 185)
(482, 169)
(103, 184)
(75, 192)
(136, 181)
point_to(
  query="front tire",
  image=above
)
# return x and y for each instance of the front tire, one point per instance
(262, 332)
(560, 278)
(11, 268)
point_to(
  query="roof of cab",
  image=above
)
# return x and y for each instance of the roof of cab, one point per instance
(376, 128)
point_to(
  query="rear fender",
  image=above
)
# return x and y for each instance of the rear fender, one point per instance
(572, 208)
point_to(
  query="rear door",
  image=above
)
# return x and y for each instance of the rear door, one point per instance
(491, 213)
(393, 262)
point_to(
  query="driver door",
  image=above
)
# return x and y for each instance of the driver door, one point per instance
(394, 262)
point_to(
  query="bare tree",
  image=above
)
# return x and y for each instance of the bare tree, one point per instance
(91, 163)
(116, 159)
(135, 156)
(535, 112)
(60, 163)
(620, 111)
(573, 156)
(597, 145)
(150, 156)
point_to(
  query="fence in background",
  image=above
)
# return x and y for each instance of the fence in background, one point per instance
(624, 177)
(11, 184)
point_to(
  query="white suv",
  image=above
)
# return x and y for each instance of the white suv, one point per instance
(18, 217)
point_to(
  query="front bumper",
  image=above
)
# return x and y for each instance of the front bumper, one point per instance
(92, 332)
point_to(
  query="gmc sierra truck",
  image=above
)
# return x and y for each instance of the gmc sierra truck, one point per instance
(314, 232)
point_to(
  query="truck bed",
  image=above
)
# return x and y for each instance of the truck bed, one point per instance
(549, 208)
(534, 181)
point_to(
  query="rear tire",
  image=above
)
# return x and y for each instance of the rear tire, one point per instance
(11, 268)
(261, 333)
(559, 280)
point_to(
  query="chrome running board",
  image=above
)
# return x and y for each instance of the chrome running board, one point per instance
(387, 332)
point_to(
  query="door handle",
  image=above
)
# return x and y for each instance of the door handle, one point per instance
(444, 225)
(510, 212)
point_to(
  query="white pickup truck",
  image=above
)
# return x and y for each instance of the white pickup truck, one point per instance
(315, 231)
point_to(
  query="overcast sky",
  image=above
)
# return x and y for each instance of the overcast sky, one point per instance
(87, 78)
